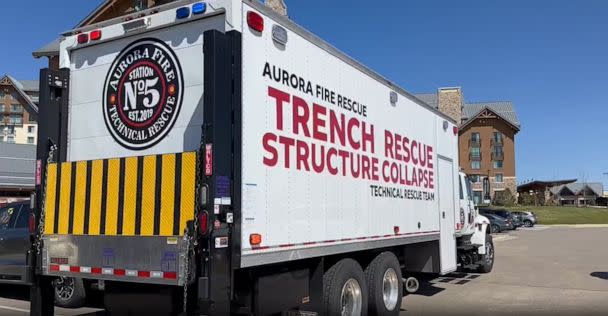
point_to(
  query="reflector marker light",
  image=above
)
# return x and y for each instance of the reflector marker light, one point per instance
(455, 129)
(182, 13)
(199, 8)
(255, 239)
(255, 21)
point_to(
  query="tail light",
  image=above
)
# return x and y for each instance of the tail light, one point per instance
(31, 224)
(255, 21)
(83, 38)
(203, 222)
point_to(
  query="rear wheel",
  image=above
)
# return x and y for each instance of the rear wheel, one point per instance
(487, 261)
(69, 292)
(385, 284)
(344, 289)
(528, 223)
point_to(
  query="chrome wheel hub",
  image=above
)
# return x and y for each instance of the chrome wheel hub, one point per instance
(351, 299)
(390, 289)
(489, 253)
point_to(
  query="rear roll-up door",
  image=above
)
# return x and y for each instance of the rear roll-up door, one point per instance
(133, 196)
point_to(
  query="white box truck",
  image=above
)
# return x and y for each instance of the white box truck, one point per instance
(217, 158)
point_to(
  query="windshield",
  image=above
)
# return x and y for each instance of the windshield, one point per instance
(469, 189)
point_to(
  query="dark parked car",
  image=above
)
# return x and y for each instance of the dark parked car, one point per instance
(528, 218)
(15, 229)
(497, 223)
(516, 220)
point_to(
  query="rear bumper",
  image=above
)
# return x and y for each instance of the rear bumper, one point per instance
(155, 260)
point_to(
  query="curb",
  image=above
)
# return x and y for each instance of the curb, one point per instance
(579, 225)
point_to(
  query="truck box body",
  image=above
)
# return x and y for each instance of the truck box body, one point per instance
(329, 157)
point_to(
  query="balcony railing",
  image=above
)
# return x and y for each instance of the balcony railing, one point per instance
(497, 141)
(475, 143)
(474, 156)
(498, 155)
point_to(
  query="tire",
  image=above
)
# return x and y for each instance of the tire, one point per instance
(383, 271)
(494, 229)
(69, 292)
(343, 276)
(488, 259)
(528, 223)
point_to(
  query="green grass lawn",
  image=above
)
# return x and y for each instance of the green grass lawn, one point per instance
(551, 215)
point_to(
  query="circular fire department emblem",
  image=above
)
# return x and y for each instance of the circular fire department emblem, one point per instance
(143, 94)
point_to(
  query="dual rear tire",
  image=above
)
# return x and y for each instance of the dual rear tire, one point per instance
(348, 290)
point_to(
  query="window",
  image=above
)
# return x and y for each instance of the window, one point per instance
(23, 219)
(15, 108)
(498, 177)
(460, 187)
(15, 119)
(475, 137)
(30, 140)
(498, 137)
(475, 152)
(474, 178)
(475, 165)
(1, 138)
(498, 164)
(10, 139)
(31, 129)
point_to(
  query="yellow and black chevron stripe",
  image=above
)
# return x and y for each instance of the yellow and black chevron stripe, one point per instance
(133, 196)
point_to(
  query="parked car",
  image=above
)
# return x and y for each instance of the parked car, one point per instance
(528, 218)
(516, 220)
(497, 223)
(15, 234)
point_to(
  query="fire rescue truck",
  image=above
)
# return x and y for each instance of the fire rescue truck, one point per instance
(215, 158)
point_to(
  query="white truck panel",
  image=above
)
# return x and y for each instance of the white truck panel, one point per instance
(88, 136)
(297, 209)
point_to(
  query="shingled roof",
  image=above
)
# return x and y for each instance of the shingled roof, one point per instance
(577, 188)
(504, 109)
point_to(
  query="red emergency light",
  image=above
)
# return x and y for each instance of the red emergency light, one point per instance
(255, 21)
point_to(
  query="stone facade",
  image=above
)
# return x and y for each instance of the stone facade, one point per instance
(450, 102)
(278, 6)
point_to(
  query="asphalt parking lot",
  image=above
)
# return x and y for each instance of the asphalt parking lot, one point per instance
(557, 271)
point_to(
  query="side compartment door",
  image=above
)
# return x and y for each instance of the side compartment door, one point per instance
(447, 240)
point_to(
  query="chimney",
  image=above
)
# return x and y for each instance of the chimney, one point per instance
(450, 103)
(277, 6)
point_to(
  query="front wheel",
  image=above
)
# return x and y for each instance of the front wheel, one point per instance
(487, 261)
(528, 223)
(494, 229)
(69, 292)
(344, 289)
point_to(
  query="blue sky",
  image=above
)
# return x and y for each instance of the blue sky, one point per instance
(549, 57)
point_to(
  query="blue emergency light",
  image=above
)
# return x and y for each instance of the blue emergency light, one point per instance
(182, 13)
(199, 8)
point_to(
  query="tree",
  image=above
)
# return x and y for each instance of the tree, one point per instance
(504, 198)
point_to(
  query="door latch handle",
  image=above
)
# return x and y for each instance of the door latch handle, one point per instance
(443, 214)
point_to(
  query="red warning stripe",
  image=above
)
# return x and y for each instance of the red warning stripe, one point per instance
(171, 275)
